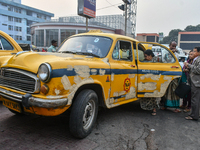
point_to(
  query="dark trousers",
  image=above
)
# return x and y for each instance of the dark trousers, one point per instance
(195, 101)
(187, 100)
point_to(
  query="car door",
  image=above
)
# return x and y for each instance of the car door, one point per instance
(155, 76)
(123, 73)
(8, 46)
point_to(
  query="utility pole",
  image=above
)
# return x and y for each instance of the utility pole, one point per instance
(86, 24)
(125, 17)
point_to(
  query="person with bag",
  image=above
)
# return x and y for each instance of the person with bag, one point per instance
(194, 72)
(187, 99)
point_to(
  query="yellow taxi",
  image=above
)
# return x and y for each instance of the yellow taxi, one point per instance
(8, 47)
(89, 70)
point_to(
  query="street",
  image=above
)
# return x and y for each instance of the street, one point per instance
(126, 127)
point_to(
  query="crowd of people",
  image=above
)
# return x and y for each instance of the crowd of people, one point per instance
(190, 76)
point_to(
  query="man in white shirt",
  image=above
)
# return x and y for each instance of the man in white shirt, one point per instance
(172, 47)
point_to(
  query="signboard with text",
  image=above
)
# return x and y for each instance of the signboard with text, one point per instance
(87, 8)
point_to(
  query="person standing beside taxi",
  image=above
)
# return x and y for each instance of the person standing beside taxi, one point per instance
(187, 100)
(172, 47)
(52, 48)
(194, 72)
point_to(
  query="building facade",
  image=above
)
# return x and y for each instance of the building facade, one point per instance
(15, 19)
(148, 37)
(63, 27)
(188, 40)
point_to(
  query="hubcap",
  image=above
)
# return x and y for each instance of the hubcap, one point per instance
(88, 115)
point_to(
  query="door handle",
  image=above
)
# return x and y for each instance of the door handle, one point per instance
(174, 66)
(133, 66)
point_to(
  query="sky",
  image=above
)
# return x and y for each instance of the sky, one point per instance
(153, 16)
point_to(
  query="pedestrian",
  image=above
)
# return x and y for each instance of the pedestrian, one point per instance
(172, 47)
(186, 78)
(170, 99)
(152, 103)
(52, 48)
(194, 72)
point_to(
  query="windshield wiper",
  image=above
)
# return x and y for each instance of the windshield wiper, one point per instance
(72, 52)
(87, 53)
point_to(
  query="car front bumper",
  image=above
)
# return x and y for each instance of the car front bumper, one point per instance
(28, 100)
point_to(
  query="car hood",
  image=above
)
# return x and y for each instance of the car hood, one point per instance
(30, 61)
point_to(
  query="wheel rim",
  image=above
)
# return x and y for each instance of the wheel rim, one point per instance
(89, 114)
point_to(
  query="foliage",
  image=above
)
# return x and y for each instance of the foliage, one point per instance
(173, 34)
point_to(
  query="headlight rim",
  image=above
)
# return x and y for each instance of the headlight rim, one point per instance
(49, 72)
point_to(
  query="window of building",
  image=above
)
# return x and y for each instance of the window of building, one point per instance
(39, 37)
(151, 38)
(10, 18)
(17, 37)
(45, 17)
(51, 34)
(18, 20)
(28, 22)
(39, 16)
(28, 38)
(11, 35)
(65, 33)
(10, 8)
(4, 24)
(81, 31)
(18, 28)
(10, 27)
(29, 13)
(3, 4)
(28, 30)
(17, 10)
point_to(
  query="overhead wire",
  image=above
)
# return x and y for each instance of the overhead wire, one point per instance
(112, 5)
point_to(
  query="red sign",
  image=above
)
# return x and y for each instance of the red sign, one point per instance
(127, 84)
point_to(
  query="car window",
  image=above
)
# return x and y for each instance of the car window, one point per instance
(159, 55)
(97, 45)
(141, 49)
(122, 51)
(5, 45)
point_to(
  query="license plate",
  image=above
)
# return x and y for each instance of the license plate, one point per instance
(12, 105)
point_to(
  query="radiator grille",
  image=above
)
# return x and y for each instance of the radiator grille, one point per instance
(19, 80)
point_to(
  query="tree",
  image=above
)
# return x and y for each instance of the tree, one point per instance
(173, 36)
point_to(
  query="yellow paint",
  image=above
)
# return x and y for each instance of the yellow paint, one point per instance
(118, 87)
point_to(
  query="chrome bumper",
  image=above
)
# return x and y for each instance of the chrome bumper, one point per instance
(27, 100)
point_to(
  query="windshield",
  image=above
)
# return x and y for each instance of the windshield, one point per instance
(86, 45)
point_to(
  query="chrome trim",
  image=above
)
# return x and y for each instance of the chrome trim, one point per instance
(37, 102)
(7, 93)
(37, 80)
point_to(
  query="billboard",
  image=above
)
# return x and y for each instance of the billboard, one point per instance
(87, 8)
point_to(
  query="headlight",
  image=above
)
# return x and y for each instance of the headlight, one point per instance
(44, 72)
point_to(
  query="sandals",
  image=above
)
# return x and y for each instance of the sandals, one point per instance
(177, 110)
(186, 110)
(190, 118)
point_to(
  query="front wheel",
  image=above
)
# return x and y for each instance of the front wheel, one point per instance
(83, 113)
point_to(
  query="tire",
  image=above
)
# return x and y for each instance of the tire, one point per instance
(15, 112)
(83, 114)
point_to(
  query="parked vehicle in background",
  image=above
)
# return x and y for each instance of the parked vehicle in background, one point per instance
(8, 46)
(25, 47)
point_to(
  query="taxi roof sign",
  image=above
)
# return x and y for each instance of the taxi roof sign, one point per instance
(95, 31)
